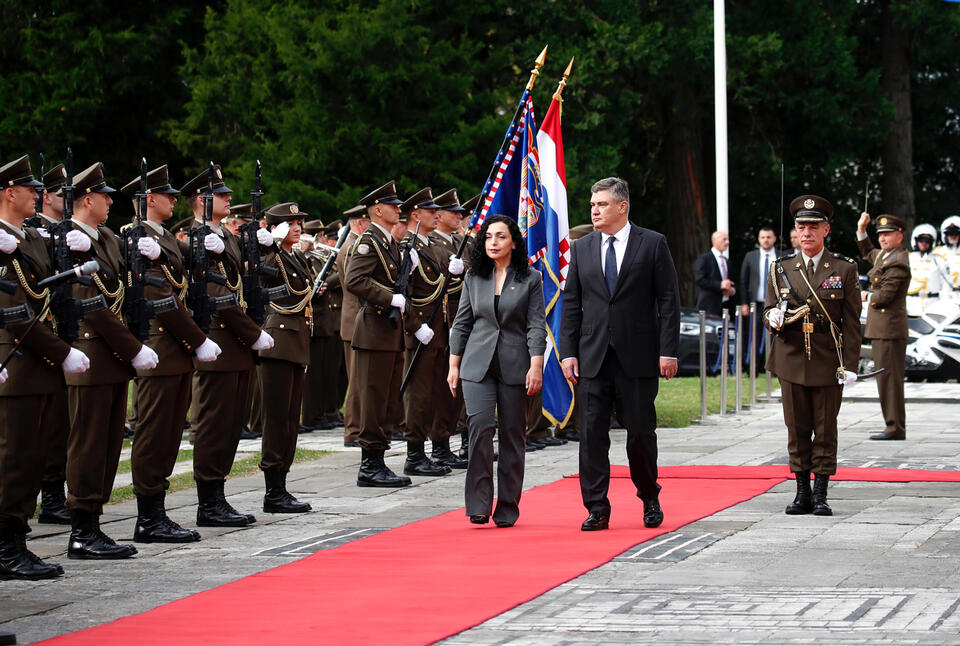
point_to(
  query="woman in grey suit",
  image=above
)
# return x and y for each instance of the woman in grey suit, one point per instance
(500, 336)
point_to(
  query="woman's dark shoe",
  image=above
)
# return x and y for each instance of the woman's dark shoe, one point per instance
(479, 519)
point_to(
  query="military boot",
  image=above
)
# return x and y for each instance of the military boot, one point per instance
(802, 504)
(820, 506)
(443, 456)
(418, 464)
(213, 509)
(375, 473)
(53, 508)
(464, 444)
(17, 562)
(277, 499)
(153, 525)
(87, 540)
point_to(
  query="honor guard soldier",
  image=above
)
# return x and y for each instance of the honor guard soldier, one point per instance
(928, 273)
(52, 496)
(324, 390)
(373, 271)
(949, 249)
(221, 387)
(32, 381)
(252, 427)
(97, 398)
(163, 393)
(887, 317)
(358, 222)
(289, 322)
(813, 310)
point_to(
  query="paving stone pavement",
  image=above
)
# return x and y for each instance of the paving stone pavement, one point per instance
(883, 569)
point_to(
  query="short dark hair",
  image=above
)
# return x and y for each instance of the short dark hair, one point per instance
(482, 264)
(767, 227)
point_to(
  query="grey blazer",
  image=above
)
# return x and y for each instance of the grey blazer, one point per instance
(521, 333)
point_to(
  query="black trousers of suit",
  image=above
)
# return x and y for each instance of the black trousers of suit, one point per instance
(634, 399)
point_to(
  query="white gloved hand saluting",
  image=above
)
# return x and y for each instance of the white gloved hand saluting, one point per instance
(414, 260)
(146, 359)
(78, 240)
(775, 318)
(398, 301)
(424, 334)
(264, 237)
(76, 361)
(208, 350)
(149, 247)
(848, 378)
(456, 265)
(8, 242)
(279, 232)
(265, 342)
(213, 242)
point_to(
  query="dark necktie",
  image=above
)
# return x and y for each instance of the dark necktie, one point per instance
(610, 266)
(810, 269)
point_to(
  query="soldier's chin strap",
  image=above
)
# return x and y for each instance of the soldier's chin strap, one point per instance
(835, 331)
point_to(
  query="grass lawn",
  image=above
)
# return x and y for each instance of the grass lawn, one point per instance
(678, 402)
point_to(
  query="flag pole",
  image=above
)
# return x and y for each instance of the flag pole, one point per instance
(445, 282)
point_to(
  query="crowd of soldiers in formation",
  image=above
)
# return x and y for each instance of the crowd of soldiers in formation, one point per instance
(173, 309)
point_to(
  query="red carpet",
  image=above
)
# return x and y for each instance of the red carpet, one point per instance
(425, 581)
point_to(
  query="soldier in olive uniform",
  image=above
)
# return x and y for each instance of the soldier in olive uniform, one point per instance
(813, 310)
(252, 427)
(358, 222)
(887, 317)
(372, 272)
(163, 393)
(289, 322)
(35, 378)
(97, 399)
(222, 384)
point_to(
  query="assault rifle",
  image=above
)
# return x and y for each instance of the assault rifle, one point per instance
(35, 220)
(322, 276)
(136, 308)
(199, 301)
(254, 294)
(403, 278)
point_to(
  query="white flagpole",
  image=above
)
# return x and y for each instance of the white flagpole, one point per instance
(720, 113)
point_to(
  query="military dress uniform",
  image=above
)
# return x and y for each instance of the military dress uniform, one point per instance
(820, 334)
(887, 325)
(377, 342)
(162, 393)
(221, 384)
(252, 429)
(289, 322)
(350, 309)
(27, 398)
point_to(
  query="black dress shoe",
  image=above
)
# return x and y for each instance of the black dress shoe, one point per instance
(246, 433)
(277, 499)
(652, 514)
(532, 446)
(305, 429)
(538, 443)
(595, 521)
(503, 523)
(17, 562)
(53, 508)
(885, 436)
(552, 441)
(572, 436)
(128, 432)
(480, 519)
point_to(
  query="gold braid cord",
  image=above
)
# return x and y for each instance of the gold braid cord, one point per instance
(180, 286)
(305, 293)
(237, 287)
(37, 296)
(115, 296)
(835, 331)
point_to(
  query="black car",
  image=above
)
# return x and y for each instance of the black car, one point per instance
(689, 359)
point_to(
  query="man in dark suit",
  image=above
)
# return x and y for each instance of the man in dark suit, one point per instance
(620, 332)
(712, 274)
(754, 274)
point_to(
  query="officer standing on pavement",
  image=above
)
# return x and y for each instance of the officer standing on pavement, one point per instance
(813, 310)
(887, 317)
(163, 393)
(372, 272)
(35, 378)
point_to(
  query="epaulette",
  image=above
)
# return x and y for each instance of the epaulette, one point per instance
(787, 257)
(126, 226)
(842, 257)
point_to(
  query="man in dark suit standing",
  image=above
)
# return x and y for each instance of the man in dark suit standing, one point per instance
(620, 332)
(754, 274)
(712, 274)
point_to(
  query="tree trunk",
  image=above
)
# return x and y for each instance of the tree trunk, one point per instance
(898, 193)
(689, 224)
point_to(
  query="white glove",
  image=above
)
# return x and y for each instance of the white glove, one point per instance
(78, 240)
(279, 232)
(424, 334)
(265, 342)
(456, 265)
(414, 260)
(146, 359)
(848, 378)
(43, 233)
(775, 318)
(213, 243)
(76, 361)
(149, 247)
(398, 301)
(264, 237)
(3, 376)
(208, 350)
(8, 243)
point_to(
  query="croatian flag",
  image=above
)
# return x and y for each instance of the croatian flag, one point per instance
(548, 245)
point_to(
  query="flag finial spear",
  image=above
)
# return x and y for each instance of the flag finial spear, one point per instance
(537, 64)
(563, 82)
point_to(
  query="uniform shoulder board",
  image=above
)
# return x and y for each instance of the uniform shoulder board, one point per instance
(840, 256)
(787, 256)
(126, 226)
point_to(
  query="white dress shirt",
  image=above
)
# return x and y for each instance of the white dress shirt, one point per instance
(619, 247)
(766, 258)
(724, 266)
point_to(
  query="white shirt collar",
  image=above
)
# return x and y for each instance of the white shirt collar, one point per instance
(215, 228)
(717, 254)
(93, 233)
(153, 225)
(17, 231)
(815, 259)
(620, 235)
(385, 232)
(445, 236)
